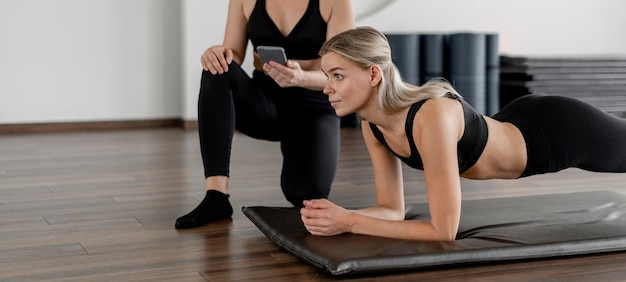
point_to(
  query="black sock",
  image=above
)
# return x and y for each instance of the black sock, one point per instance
(215, 206)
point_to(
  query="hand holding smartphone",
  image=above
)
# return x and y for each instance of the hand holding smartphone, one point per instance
(272, 53)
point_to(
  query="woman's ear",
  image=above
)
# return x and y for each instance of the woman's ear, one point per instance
(376, 75)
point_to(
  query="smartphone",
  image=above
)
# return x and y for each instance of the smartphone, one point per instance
(272, 53)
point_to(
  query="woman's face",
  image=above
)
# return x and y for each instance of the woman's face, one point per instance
(348, 86)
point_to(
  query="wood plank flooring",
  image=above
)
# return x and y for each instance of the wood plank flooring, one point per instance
(101, 206)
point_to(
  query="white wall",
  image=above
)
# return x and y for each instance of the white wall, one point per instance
(525, 27)
(76, 60)
(100, 60)
(204, 23)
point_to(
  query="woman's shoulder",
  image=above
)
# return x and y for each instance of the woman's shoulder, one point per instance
(433, 105)
(330, 3)
(438, 110)
(247, 6)
(327, 7)
(441, 104)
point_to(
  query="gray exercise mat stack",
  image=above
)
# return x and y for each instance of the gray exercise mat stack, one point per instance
(470, 61)
(405, 52)
(600, 81)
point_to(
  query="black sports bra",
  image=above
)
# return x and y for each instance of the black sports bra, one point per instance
(469, 148)
(304, 41)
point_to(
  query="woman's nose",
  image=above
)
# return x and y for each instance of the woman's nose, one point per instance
(327, 89)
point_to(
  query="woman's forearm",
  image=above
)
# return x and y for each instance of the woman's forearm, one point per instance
(397, 229)
(313, 79)
(381, 212)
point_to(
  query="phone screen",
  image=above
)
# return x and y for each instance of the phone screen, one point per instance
(272, 53)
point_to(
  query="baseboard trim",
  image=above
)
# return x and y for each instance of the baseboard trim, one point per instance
(95, 126)
(190, 124)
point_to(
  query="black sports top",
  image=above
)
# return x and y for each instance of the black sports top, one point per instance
(304, 41)
(469, 148)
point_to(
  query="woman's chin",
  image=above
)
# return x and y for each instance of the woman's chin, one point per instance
(341, 113)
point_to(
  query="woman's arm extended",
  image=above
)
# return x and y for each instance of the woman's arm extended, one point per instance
(307, 73)
(321, 217)
(436, 134)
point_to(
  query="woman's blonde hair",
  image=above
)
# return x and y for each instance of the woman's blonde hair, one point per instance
(367, 46)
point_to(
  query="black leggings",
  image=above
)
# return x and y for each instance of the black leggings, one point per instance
(301, 119)
(562, 132)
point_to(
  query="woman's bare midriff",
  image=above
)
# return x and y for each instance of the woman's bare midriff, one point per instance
(504, 156)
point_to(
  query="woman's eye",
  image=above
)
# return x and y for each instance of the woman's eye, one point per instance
(338, 77)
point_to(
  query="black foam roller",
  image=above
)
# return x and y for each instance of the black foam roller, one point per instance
(468, 67)
(405, 55)
(493, 74)
(432, 56)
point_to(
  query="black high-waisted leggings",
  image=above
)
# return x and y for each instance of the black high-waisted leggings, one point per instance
(562, 132)
(301, 119)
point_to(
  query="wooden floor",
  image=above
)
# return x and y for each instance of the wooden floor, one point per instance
(101, 206)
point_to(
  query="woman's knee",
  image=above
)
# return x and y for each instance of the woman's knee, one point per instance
(220, 86)
(297, 193)
(310, 163)
(234, 71)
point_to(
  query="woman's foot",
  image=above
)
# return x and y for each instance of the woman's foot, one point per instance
(215, 206)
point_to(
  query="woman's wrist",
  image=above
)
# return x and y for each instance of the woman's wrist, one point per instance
(313, 79)
(352, 222)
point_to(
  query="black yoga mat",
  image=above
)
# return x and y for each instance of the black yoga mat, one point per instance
(405, 51)
(491, 231)
(468, 67)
